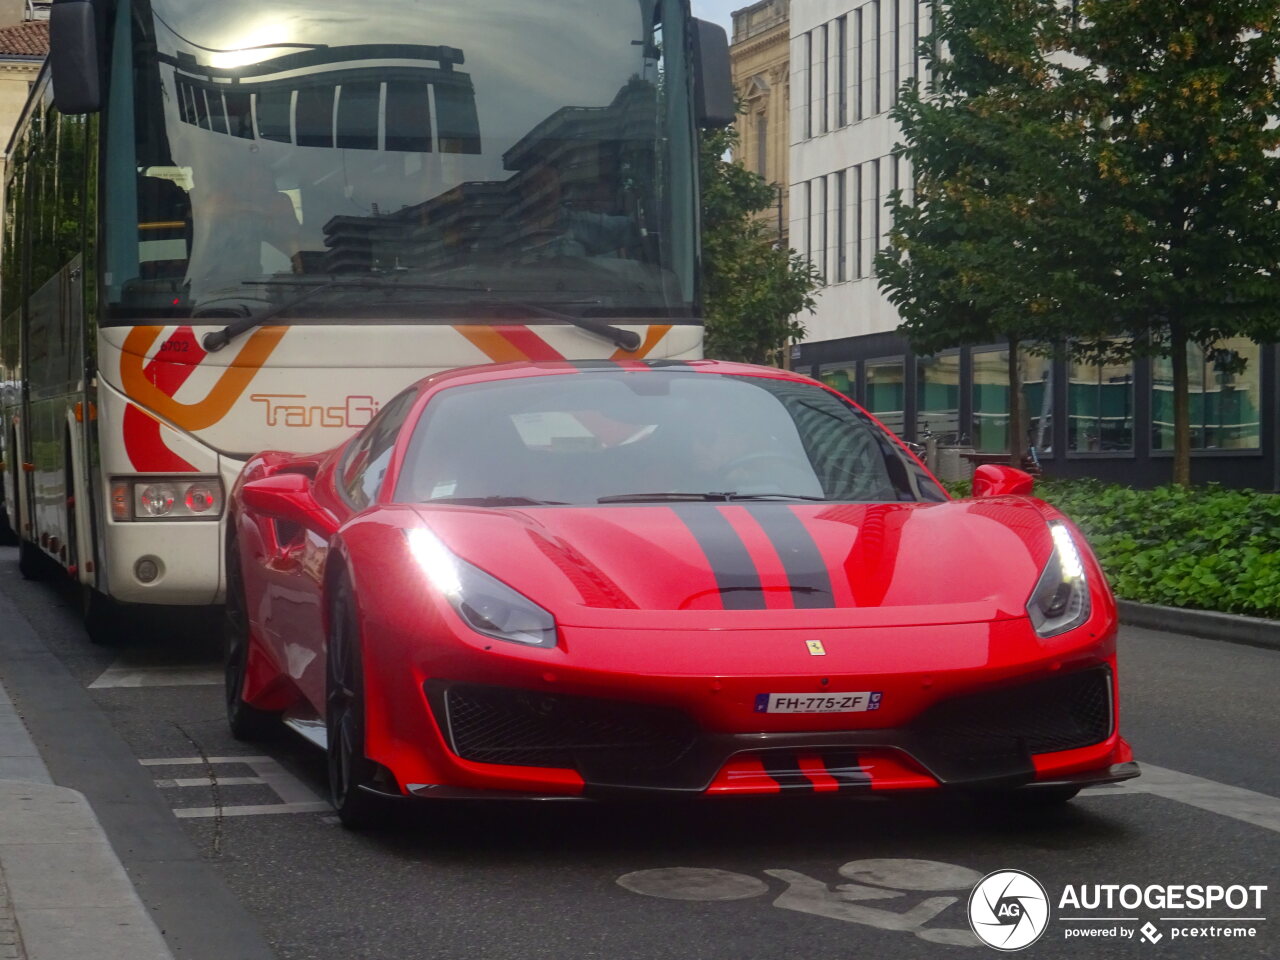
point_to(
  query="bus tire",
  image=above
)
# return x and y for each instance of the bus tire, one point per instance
(8, 536)
(32, 564)
(104, 620)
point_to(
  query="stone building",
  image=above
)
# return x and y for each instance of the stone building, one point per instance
(761, 56)
(24, 43)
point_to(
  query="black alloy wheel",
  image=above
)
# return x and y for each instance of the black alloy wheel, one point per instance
(246, 722)
(350, 771)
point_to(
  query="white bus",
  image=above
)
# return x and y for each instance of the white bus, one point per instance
(243, 225)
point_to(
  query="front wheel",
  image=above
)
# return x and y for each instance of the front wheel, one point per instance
(351, 773)
(247, 723)
(8, 536)
(32, 564)
(104, 620)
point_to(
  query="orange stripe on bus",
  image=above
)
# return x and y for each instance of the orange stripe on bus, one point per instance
(234, 380)
(492, 344)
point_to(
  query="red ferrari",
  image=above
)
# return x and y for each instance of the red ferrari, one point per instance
(681, 579)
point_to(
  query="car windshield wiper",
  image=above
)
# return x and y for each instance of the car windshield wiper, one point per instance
(727, 496)
(215, 341)
(494, 501)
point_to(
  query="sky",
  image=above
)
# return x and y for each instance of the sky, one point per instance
(718, 11)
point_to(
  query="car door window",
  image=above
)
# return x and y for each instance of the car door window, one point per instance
(367, 460)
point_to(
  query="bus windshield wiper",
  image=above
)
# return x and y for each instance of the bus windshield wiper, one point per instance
(726, 496)
(627, 340)
(215, 341)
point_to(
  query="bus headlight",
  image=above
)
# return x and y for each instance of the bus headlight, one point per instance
(169, 498)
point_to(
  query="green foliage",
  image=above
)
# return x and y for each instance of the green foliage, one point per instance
(1200, 547)
(754, 290)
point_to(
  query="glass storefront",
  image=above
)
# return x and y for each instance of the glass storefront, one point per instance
(991, 400)
(938, 397)
(887, 392)
(1100, 407)
(841, 377)
(1226, 394)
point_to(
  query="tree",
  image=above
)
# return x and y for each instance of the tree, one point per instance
(985, 250)
(754, 289)
(1182, 113)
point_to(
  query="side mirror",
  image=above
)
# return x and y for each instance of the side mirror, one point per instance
(73, 56)
(287, 497)
(995, 480)
(714, 102)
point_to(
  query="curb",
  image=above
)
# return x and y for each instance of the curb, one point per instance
(1228, 627)
(68, 895)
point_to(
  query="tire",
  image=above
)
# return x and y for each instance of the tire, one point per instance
(105, 621)
(8, 536)
(350, 771)
(32, 563)
(247, 723)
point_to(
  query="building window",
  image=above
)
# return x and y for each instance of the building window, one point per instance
(857, 64)
(762, 144)
(857, 222)
(1100, 407)
(886, 392)
(824, 263)
(876, 203)
(875, 31)
(1225, 388)
(808, 85)
(991, 400)
(841, 212)
(895, 30)
(842, 72)
(824, 88)
(841, 377)
(938, 396)
(808, 220)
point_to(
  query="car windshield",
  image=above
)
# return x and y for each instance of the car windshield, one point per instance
(652, 436)
(525, 152)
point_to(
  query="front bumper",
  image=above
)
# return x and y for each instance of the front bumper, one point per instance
(1054, 731)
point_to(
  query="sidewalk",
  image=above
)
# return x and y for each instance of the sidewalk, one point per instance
(63, 893)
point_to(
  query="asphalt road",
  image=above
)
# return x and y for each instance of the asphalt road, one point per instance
(232, 877)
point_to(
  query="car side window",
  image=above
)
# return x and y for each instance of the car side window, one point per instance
(367, 460)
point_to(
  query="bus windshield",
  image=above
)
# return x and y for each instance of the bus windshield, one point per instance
(493, 150)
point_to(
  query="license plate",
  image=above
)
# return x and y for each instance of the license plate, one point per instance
(817, 702)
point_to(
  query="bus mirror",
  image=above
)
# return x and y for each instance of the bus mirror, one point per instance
(713, 94)
(73, 56)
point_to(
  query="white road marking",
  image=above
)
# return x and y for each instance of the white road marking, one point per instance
(911, 874)
(693, 883)
(208, 782)
(200, 761)
(1238, 803)
(256, 810)
(295, 796)
(133, 675)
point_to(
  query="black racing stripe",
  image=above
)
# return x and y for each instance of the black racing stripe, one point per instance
(736, 575)
(784, 768)
(844, 767)
(806, 570)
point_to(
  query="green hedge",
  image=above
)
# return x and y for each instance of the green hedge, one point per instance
(1204, 548)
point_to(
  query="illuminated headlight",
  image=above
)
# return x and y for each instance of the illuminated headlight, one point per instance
(1060, 601)
(167, 498)
(485, 604)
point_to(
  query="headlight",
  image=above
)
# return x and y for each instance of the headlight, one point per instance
(1060, 601)
(167, 498)
(487, 605)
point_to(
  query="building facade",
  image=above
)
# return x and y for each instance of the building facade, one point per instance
(849, 61)
(760, 54)
(24, 43)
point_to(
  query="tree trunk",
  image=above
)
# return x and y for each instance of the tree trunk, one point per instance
(1017, 409)
(1181, 406)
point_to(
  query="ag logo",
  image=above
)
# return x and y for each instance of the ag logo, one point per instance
(1008, 910)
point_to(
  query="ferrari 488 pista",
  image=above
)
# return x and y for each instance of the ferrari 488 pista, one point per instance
(705, 580)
